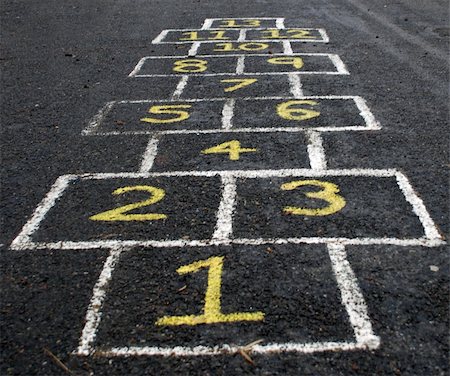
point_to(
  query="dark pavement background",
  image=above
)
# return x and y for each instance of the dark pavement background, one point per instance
(62, 61)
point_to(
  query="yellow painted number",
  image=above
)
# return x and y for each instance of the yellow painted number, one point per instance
(193, 35)
(212, 313)
(232, 148)
(328, 193)
(296, 62)
(293, 110)
(287, 34)
(241, 82)
(119, 214)
(173, 109)
(190, 66)
(227, 47)
(241, 23)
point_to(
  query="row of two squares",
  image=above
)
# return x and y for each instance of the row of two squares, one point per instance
(226, 207)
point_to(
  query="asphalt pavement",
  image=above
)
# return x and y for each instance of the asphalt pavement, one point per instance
(224, 188)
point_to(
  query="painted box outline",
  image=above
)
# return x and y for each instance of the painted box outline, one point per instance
(337, 62)
(371, 123)
(223, 229)
(351, 299)
(242, 38)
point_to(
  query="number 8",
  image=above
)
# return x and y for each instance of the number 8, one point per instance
(190, 66)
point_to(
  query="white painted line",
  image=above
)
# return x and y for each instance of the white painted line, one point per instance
(94, 313)
(352, 297)
(272, 348)
(180, 87)
(244, 18)
(324, 35)
(339, 64)
(194, 48)
(227, 114)
(295, 85)
(138, 67)
(316, 152)
(287, 47)
(224, 225)
(418, 207)
(98, 118)
(41, 211)
(237, 130)
(240, 66)
(367, 115)
(207, 23)
(242, 35)
(279, 23)
(250, 74)
(149, 155)
(160, 37)
(181, 243)
(330, 56)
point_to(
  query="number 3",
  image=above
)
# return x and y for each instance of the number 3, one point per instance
(328, 193)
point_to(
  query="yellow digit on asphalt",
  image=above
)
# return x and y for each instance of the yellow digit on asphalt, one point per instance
(293, 110)
(232, 148)
(119, 214)
(212, 311)
(296, 62)
(328, 193)
(172, 109)
(241, 82)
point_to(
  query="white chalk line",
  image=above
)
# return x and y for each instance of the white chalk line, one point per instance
(316, 152)
(271, 348)
(287, 47)
(180, 87)
(194, 48)
(242, 35)
(149, 155)
(42, 209)
(224, 225)
(431, 238)
(352, 297)
(94, 311)
(430, 228)
(295, 86)
(240, 66)
(227, 114)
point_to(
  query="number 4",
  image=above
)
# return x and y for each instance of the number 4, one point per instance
(232, 148)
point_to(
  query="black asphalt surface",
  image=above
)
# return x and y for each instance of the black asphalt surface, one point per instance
(63, 61)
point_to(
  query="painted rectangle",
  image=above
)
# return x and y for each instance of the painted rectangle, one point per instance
(223, 48)
(284, 295)
(270, 114)
(231, 151)
(381, 208)
(232, 64)
(328, 206)
(242, 23)
(183, 36)
(121, 209)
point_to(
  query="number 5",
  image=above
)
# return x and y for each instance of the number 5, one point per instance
(172, 109)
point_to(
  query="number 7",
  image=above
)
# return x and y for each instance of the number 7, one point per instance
(242, 82)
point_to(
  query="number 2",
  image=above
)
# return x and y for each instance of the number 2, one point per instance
(119, 214)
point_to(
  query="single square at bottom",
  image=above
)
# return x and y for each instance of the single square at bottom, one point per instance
(283, 295)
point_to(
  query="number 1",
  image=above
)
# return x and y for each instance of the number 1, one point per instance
(212, 309)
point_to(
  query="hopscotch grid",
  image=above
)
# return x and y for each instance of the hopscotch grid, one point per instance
(431, 234)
